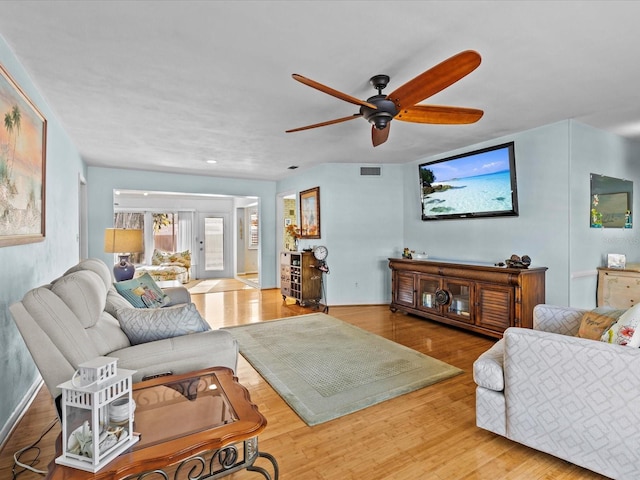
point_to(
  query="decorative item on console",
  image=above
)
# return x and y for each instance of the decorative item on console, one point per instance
(518, 262)
(413, 255)
(294, 232)
(90, 436)
(616, 260)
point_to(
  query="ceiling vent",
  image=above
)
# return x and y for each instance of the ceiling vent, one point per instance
(370, 171)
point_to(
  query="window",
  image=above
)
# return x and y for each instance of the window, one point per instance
(165, 231)
(134, 221)
(253, 229)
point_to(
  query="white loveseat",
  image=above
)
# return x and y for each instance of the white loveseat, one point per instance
(74, 319)
(574, 398)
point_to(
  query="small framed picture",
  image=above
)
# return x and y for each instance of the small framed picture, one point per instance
(616, 260)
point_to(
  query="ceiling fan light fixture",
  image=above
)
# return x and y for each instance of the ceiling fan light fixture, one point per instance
(403, 102)
(381, 121)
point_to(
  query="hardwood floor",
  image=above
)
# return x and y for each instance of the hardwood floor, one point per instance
(429, 434)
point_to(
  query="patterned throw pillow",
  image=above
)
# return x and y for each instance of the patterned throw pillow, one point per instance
(142, 326)
(142, 292)
(626, 331)
(163, 258)
(595, 322)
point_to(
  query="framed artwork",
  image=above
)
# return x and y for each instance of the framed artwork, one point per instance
(613, 207)
(310, 213)
(23, 146)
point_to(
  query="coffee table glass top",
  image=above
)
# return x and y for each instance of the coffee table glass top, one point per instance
(175, 409)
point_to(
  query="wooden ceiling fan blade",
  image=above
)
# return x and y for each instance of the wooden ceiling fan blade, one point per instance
(324, 124)
(435, 79)
(378, 137)
(332, 92)
(439, 114)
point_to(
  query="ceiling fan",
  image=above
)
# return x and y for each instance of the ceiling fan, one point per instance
(401, 104)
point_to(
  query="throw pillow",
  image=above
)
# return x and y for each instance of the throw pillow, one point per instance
(626, 330)
(170, 258)
(142, 292)
(595, 322)
(142, 326)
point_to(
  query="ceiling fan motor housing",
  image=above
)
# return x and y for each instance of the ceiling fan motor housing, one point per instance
(381, 116)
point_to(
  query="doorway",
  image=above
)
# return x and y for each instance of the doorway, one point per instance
(287, 214)
(213, 246)
(194, 208)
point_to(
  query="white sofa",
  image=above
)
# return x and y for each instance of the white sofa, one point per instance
(574, 398)
(74, 319)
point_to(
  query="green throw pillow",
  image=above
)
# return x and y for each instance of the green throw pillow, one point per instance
(142, 292)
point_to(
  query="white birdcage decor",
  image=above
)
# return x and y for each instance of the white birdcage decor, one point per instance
(92, 435)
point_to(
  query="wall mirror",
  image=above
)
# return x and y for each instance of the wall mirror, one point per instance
(611, 202)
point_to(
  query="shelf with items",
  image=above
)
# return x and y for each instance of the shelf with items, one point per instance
(299, 278)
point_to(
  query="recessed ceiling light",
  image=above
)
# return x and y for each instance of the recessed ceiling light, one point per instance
(212, 161)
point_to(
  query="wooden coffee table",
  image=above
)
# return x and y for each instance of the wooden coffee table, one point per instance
(200, 425)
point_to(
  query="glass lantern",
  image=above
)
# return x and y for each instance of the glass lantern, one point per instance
(92, 435)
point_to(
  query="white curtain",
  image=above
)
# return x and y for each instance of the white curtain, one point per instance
(185, 234)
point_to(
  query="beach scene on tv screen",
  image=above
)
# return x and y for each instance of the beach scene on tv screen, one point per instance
(475, 184)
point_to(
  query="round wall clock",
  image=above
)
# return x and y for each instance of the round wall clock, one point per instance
(320, 252)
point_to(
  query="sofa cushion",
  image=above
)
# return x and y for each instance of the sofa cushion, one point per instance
(180, 354)
(84, 293)
(107, 335)
(142, 292)
(96, 266)
(147, 325)
(595, 322)
(625, 331)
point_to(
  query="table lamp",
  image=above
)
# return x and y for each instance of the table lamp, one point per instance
(124, 242)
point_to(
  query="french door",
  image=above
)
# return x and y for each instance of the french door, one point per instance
(214, 246)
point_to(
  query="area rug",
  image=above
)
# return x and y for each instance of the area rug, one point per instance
(218, 285)
(325, 368)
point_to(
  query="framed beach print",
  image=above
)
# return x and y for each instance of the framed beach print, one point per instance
(23, 135)
(310, 213)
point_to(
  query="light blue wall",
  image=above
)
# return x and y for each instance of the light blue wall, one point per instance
(103, 181)
(27, 266)
(540, 231)
(553, 166)
(595, 151)
(361, 221)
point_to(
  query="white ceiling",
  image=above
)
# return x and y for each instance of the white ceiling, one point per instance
(167, 85)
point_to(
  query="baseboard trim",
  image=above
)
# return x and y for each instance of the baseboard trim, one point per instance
(19, 412)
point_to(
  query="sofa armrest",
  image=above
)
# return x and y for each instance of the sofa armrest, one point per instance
(574, 398)
(555, 319)
(177, 295)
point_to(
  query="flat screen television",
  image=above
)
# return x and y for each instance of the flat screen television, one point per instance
(481, 183)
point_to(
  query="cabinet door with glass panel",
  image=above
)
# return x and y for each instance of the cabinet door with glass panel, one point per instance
(428, 288)
(460, 301)
(451, 298)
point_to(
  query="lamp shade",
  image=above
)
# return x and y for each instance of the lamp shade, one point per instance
(123, 240)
